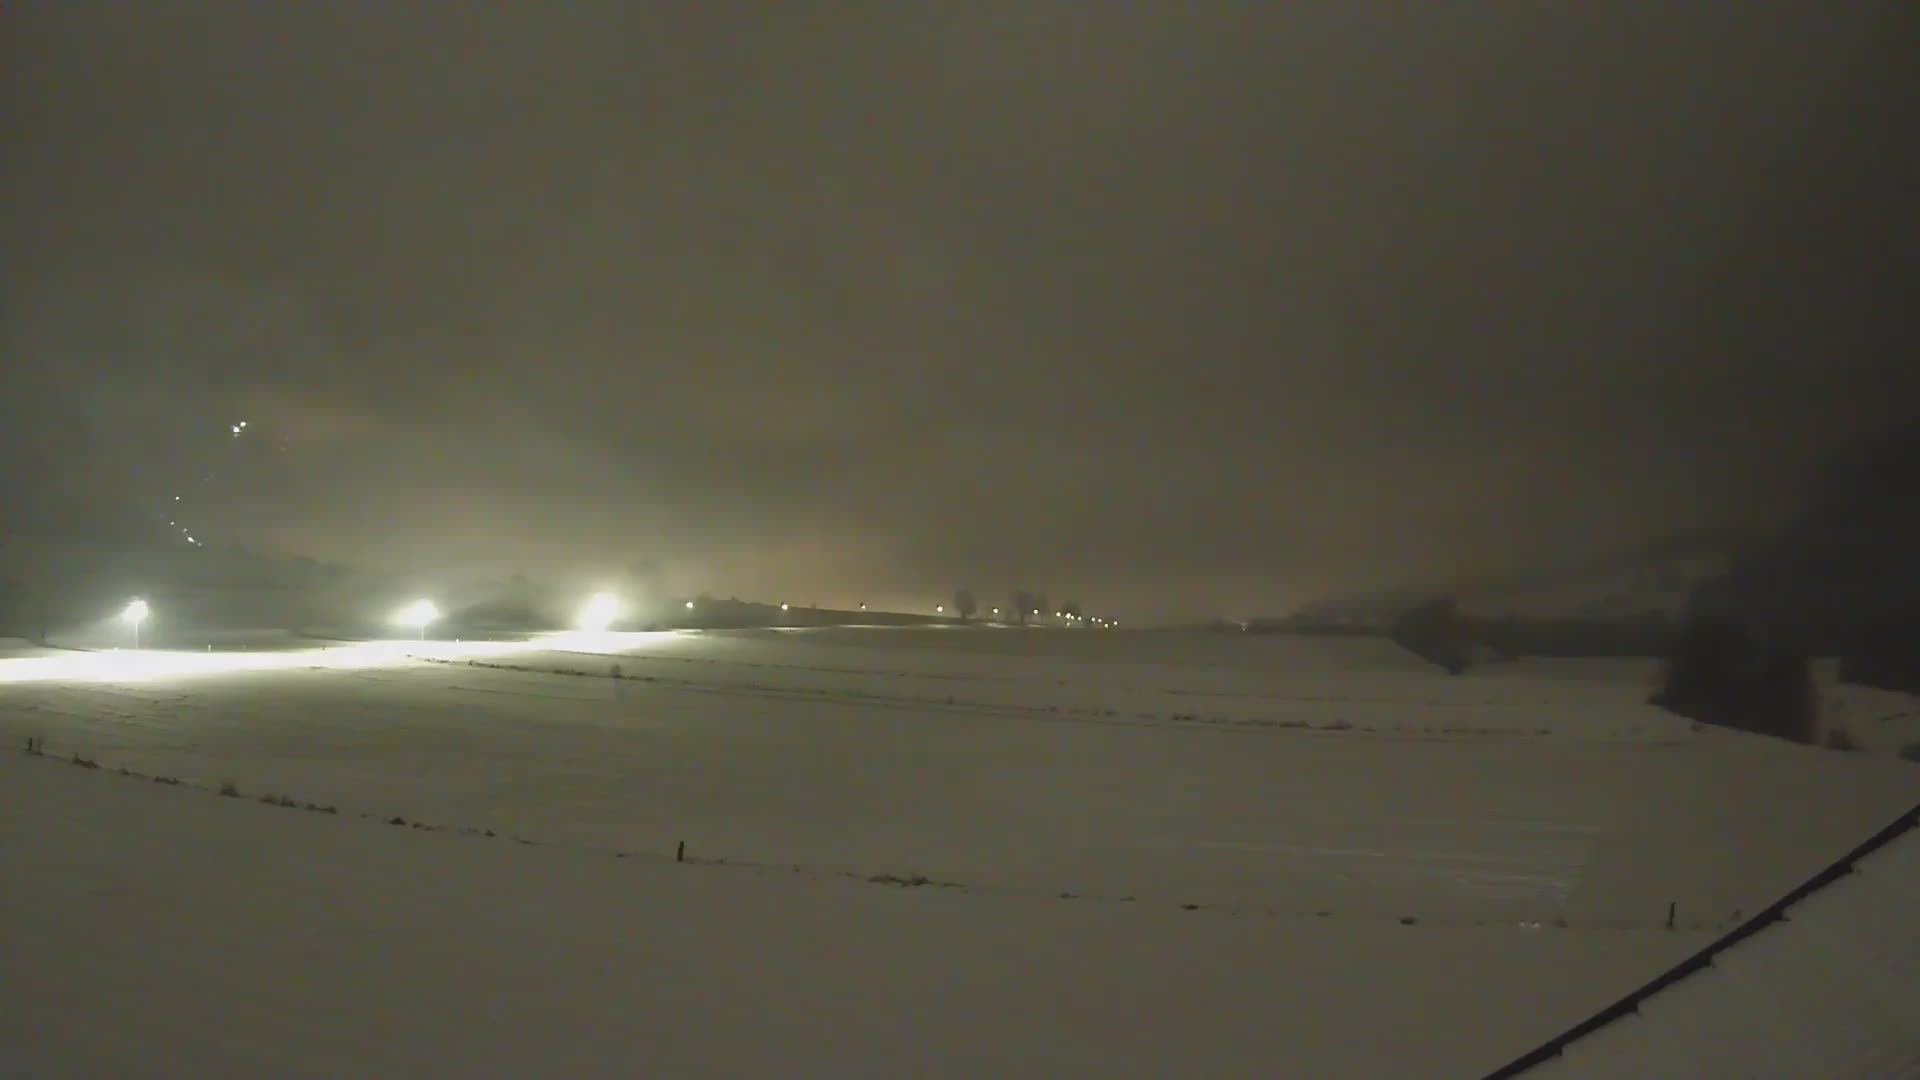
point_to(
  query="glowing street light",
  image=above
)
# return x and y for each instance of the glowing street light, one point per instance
(689, 605)
(136, 613)
(599, 612)
(939, 609)
(418, 615)
(783, 607)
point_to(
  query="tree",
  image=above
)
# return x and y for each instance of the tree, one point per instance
(1719, 672)
(1023, 605)
(1434, 631)
(964, 605)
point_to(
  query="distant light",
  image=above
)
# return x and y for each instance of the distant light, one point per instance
(783, 607)
(417, 614)
(939, 609)
(996, 611)
(689, 605)
(1036, 611)
(236, 429)
(176, 498)
(863, 607)
(599, 612)
(136, 612)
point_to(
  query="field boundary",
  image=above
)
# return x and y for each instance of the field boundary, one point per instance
(679, 853)
(1247, 725)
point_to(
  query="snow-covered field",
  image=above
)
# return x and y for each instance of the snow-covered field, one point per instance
(935, 850)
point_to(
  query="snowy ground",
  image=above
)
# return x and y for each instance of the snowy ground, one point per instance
(1141, 854)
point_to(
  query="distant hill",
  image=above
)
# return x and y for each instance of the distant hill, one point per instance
(1653, 577)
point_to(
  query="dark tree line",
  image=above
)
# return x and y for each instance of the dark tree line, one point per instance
(1842, 578)
(1435, 632)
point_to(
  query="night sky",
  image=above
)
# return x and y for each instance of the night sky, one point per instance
(1173, 308)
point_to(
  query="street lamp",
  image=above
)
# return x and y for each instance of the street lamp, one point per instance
(136, 613)
(418, 615)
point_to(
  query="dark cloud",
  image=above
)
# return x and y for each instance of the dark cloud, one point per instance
(1184, 306)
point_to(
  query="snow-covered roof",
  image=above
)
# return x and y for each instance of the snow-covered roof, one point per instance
(1821, 984)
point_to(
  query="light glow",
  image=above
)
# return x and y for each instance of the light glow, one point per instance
(118, 666)
(600, 611)
(418, 614)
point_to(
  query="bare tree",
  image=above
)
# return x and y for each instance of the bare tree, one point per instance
(964, 604)
(1023, 605)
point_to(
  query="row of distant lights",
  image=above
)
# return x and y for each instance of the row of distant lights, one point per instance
(236, 428)
(941, 609)
(1091, 620)
(183, 528)
(600, 611)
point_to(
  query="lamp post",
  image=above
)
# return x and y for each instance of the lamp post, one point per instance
(136, 613)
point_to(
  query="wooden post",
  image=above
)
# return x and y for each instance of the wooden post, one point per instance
(680, 853)
(1671, 904)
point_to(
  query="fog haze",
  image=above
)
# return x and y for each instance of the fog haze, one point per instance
(1194, 309)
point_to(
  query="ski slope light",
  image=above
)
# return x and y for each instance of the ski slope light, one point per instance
(599, 612)
(133, 615)
(418, 615)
